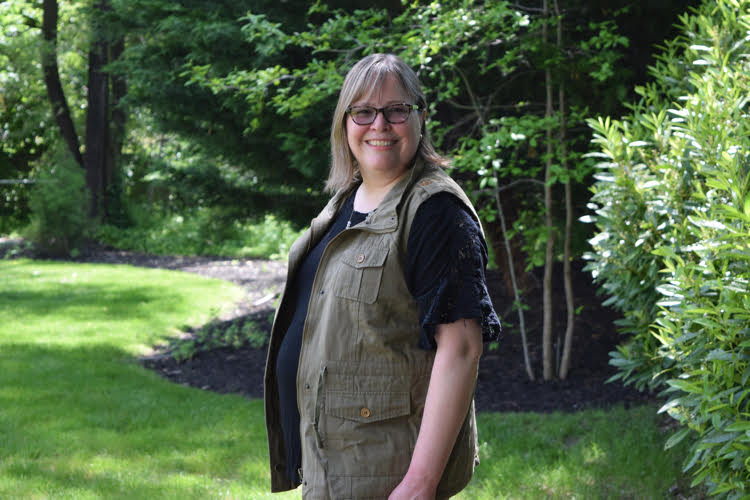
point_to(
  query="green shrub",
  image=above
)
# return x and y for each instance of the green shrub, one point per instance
(233, 334)
(205, 231)
(672, 206)
(59, 205)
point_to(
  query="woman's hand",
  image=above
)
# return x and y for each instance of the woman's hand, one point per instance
(412, 489)
(454, 373)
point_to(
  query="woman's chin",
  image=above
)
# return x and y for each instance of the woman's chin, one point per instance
(382, 169)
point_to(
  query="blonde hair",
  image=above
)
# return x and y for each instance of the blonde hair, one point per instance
(368, 74)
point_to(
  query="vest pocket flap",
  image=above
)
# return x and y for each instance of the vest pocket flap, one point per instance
(366, 257)
(367, 407)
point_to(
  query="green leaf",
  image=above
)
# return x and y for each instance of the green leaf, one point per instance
(720, 355)
(739, 426)
(676, 438)
(686, 386)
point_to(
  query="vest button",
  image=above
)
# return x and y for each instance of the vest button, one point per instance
(360, 258)
(364, 412)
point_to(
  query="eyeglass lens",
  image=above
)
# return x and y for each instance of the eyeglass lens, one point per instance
(365, 115)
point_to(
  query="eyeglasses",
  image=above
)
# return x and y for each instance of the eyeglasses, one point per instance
(395, 113)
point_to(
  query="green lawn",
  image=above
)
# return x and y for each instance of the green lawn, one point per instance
(80, 418)
(614, 453)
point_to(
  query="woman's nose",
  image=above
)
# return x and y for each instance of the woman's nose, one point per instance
(380, 122)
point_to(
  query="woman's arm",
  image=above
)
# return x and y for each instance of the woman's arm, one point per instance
(454, 373)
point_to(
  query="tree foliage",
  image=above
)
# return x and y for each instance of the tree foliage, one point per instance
(672, 206)
(27, 125)
(481, 65)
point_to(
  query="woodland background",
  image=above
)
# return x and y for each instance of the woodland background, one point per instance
(174, 127)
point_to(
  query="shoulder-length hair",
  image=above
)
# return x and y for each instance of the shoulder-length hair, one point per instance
(368, 74)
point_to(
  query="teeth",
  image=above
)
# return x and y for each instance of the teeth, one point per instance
(380, 143)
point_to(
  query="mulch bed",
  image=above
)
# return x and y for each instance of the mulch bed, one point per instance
(503, 384)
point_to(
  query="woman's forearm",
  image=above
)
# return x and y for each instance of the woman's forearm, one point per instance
(449, 395)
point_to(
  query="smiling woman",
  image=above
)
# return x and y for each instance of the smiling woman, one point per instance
(374, 351)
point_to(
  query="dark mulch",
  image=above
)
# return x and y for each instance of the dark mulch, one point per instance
(502, 385)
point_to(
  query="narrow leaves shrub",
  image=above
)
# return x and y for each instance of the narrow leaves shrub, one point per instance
(672, 206)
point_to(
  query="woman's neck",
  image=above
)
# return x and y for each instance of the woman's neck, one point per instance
(371, 192)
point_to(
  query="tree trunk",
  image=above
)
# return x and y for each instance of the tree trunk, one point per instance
(507, 252)
(569, 298)
(112, 191)
(514, 282)
(97, 117)
(547, 348)
(119, 89)
(52, 80)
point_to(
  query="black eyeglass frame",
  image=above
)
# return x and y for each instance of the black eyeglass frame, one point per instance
(411, 107)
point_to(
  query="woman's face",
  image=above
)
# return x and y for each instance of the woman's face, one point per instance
(384, 149)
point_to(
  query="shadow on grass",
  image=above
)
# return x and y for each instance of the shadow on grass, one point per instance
(92, 421)
(134, 301)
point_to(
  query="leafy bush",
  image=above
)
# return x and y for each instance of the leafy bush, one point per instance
(203, 232)
(672, 206)
(59, 206)
(217, 334)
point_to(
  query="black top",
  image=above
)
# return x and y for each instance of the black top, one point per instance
(445, 262)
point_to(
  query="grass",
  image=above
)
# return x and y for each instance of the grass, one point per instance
(80, 418)
(615, 453)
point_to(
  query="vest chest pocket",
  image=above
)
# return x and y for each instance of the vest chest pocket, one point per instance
(360, 273)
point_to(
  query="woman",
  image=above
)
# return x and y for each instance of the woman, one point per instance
(374, 349)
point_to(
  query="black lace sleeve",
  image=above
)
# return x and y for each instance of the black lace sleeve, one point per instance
(445, 263)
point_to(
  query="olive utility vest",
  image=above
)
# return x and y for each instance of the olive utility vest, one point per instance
(362, 380)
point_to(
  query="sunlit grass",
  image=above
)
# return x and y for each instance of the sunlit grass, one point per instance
(80, 418)
(613, 453)
(75, 305)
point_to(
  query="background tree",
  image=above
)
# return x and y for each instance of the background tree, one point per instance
(234, 153)
(55, 92)
(461, 50)
(101, 151)
(26, 123)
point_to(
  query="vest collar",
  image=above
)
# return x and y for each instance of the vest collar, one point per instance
(385, 217)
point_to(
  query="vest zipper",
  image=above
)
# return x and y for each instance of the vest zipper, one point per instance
(313, 293)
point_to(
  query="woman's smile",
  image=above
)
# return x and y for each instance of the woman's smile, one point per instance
(380, 143)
